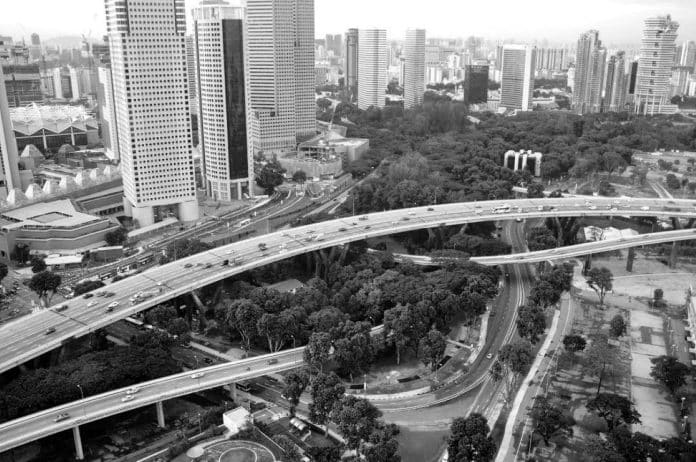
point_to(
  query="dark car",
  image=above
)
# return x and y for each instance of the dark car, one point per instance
(50, 330)
(88, 295)
(225, 262)
(62, 308)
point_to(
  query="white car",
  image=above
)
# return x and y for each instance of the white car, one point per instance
(132, 390)
(489, 356)
(197, 375)
(113, 304)
(645, 208)
(127, 398)
(91, 304)
(593, 207)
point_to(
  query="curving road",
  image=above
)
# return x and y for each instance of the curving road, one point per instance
(26, 337)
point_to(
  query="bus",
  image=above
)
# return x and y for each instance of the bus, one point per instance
(502, 209)
(245, 386)
(244, 223)
(135, 322)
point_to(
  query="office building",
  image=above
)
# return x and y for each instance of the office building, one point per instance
(476, 84)
(280, 74)
(147, 39)
(517, 77)
(66, 83)
(352, 63)
(590, 63)
(372, 67)
(414, 68)
(334, 44)
(227, 166)
(23, 84)
(616, 79)
(8, 147)
(655, 66)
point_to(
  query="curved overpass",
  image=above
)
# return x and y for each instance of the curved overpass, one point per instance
(589, 248)
(26, 338)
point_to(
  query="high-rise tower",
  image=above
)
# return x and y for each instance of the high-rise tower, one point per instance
(218, 33)
(590, 62)
(616, 84)
(148, 65)
(372, 67)
(517, 77)
(352, 63)
(655, 66)
(414, 68)
(280, 74)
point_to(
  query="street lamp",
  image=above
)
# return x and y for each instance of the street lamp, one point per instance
(196, 358)
(82, 394)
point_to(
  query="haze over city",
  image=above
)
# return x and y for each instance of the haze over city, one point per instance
(531, 20)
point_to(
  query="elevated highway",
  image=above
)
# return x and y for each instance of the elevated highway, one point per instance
(27, 337)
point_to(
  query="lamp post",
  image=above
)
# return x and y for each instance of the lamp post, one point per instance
(82, 394)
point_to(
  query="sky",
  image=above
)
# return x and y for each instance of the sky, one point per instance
(558, 21)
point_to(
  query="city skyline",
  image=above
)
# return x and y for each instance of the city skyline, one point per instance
(620, 23)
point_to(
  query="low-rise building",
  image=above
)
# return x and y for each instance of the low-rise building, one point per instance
(52, 126)
(55, 227)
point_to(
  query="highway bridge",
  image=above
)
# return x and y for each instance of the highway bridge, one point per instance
(27, 337)
(79, 319)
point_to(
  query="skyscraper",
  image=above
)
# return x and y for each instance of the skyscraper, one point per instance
(476, 84)
(590, 62)
(8, 145)
(616, 84)
(414, 68)
(372, 67)
(517, 77)
(352, 63)
(107, 112)
(228, 169)
(280, 74)
(655, 66)
(148, 64)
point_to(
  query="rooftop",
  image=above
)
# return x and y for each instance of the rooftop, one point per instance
(55, 214)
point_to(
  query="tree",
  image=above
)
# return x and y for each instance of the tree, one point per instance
(541, 238)
(658, 294)
(318, 350)
(513, 360)
(295, 384)
(356, 418)
(669, 371)
(45, 284)
(274, 329)
(574, 343)
(353, 348)
(535, 190)
(116, 237)
(531, 322)
(325, 454)
(550, 420)
(326, 391)
(382, 445)
(161, 315)
(600, 280)
(672, 181)
(242, 315)
(87, 286)
(324, 103)
(469, 440)
(617, 326)
(299, 176)
(614, 409)
(38, 264)
(431, 348)
(270, 176)
(292, 454)
(3, 271)
(598, 357)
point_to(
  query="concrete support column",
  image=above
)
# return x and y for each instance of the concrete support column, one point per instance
(160, 414)
(233, 389)
(79, 453)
